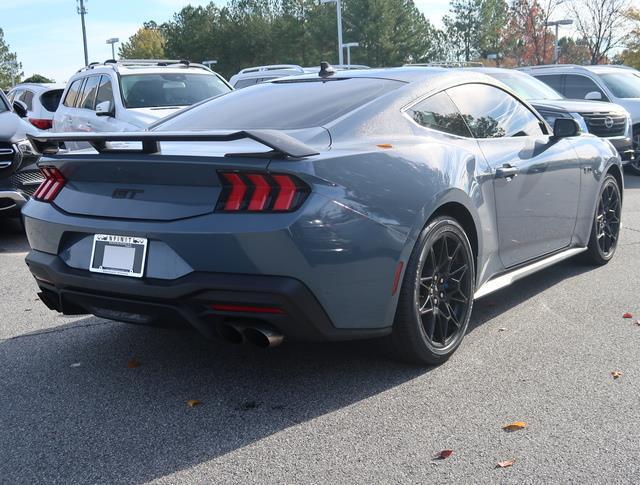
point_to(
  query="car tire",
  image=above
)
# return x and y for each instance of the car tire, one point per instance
(436, 297)
(605, 228)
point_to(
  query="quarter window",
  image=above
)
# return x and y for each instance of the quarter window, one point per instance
(72, 94)
(492, 113)
(439, 113)
(105, 91)
(89, 92)
(577, 87)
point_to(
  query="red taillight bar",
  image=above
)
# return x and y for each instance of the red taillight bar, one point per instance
(41, 123)
(51, 186)
(261, 192)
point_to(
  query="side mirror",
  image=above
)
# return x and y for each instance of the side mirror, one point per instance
(105, 108)
(593, 96)
(20, 108)
(565, 128)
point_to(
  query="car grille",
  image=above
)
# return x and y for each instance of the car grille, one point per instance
(7, 154)
(597, 123)
(26, 181)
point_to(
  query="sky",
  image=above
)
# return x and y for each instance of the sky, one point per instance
(47, 35)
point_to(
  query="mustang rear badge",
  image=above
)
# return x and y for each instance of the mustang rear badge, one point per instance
(126, 193)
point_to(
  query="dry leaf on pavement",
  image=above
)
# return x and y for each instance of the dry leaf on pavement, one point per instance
(515, 426)
(444, 454)
(192, 403)
(505, 463)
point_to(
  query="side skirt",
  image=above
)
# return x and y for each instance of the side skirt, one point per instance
(506, 279)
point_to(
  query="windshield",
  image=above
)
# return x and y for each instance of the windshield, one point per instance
(282, 105)
(622, 85)
(170, 89)
(527, 87)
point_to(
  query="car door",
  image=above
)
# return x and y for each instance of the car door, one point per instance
(577, 86)
(84, 117)
(536, 177)
(104, 121)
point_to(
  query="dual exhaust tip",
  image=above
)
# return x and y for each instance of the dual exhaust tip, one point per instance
(240, 332)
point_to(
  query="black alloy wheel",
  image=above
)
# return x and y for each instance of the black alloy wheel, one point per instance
(436, 298)
(605, 231)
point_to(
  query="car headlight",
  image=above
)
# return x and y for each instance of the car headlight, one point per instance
(26, 148)
(551, 117)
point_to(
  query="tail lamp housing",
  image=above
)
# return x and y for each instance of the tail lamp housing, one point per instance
(51, 186)
(260, 192)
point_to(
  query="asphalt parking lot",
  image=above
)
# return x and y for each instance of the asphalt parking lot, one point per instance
(72, 409)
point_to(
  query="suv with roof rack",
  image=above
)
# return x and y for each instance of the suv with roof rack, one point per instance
(129, 95)
(259, 74)
(616, 84)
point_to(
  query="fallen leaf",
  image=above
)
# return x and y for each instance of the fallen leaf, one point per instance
(615, 374)
(75, 364)
(444, 454)
(505, 463)
(627, 315)
(515, 426)
(133, 364)
(192, 403)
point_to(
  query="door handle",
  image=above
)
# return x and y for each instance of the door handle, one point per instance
(506, 171)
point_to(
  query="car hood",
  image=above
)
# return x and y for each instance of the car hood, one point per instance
(13, 128)
(575, 106)
(143, 117)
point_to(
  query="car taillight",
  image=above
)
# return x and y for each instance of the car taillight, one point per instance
(41, 124)
(261, 192)
(51, 186)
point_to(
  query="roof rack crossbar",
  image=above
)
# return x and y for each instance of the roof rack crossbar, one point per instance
(281, 144)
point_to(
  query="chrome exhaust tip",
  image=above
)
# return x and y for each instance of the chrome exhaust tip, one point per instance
(263, 337)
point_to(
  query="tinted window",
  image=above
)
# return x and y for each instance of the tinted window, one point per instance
(156, 90)
(27, 98)
(105, 91)
(553, 80)
(282, 105)
(439, 113)
(577, 87)
(243, 83)
(89, 92)
(527, 87)
(72, 93)
(493, 113)
(4, 103)
(625, 85)
(51, 99)
(12, 95)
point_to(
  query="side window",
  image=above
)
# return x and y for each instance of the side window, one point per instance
(12, 95)
(439, 113)
(105, 91)
(553, 80)
(492, 113)
(577, 87)
(243, 83)
(89, 92)
(72, 94)
(27, 98)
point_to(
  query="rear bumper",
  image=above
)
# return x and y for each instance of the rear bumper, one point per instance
(189, 299)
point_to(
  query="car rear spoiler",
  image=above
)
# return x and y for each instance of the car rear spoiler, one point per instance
(281, 144)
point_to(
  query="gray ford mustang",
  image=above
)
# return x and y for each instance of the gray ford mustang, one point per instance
(343, 205)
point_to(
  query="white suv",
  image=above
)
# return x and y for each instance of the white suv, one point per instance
(130, 95)
(42, 100)
(616, 84)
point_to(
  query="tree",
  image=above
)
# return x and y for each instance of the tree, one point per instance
(631, 55)
(493, 20)
(602, 24)
(464, 28)
(37, 78)
(10, 68)
(527, 37)
(147, 43)
(572, 52)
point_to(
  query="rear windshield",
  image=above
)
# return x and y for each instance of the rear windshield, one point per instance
(169, 89)
(282, 105)
(51, 99)
(623, 85)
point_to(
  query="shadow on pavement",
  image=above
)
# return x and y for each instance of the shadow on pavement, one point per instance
(12, 238)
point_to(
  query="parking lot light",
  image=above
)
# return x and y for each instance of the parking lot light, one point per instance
(556, 23)
(339, 19)
(113, 41)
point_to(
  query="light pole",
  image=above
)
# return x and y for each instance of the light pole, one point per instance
(556, 23)
(210, 63)
(349, 45)
(82, 10)
(112, 41)
(339, 17)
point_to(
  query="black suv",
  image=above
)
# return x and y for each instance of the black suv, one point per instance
(19, 176)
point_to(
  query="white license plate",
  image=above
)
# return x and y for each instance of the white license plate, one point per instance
(119, 255)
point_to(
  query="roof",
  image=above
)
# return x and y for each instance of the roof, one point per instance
(564, 67)
(145, 65)
(40, 86)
